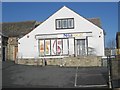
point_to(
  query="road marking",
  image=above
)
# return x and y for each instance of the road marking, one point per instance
(103, 85)
(110, 83)
(91, 85)
(76, 77)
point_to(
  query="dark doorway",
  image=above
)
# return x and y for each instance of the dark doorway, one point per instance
(3, 54)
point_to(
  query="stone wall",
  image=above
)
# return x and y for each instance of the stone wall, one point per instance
(29, 61)
(12, 44)
(115, 66)
(82, 61)
(66, 62)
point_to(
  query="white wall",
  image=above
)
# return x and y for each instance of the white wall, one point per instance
(28, 47)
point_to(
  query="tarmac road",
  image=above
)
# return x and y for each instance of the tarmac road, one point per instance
(23, 76)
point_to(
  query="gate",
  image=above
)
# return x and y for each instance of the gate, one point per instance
(113, 64)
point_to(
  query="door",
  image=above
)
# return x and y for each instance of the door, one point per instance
(3, 55)
(15, 53)
(80, 47)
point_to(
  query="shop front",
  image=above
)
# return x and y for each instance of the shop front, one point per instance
(66, 44)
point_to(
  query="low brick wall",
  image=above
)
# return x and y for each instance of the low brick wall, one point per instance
(66, 62)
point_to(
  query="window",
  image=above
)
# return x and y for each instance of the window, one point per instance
(59, 46)
(65, 46)
(81, 47)
(64, 23)
(53, 47)
(41, 47)
(70, 23)
(67, 23)
(58, 23)
(47, 47)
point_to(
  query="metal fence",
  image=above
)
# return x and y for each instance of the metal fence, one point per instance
(113, 64)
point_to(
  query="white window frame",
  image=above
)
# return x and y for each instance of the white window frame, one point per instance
(62, 25)
(72, 23)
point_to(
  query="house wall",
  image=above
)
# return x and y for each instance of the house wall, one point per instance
(28, 47)
(12, 48)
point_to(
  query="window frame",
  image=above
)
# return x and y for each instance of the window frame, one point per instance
(51, 48)
(61, 21)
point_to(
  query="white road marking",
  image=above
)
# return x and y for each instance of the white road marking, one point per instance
(76, 77)
(91, 85)
(104, 85)
(110, 83)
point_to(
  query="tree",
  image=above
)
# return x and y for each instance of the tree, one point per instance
(111, 43)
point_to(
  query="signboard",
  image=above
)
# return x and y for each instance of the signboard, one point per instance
(73, 35)
(59, 46)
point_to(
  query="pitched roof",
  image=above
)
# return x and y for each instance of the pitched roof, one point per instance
(95, 21)
(17, 29)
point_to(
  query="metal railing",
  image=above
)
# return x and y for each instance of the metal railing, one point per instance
(112, 62)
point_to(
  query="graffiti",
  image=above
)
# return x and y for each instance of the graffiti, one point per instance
(45, 47)
(54, 48)
(41, 47)
(59, 46)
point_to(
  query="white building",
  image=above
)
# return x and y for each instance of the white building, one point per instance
(62, 34)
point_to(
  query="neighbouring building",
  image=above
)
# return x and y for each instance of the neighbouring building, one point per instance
(65, 33)
(110, 51)
(118, 43)
(14, 31)
(3, 46)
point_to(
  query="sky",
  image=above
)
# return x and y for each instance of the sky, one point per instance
(40, 11)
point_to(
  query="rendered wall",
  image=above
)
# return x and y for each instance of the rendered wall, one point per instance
(28, 47)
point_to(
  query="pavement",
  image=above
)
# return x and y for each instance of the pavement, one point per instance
(24, 76)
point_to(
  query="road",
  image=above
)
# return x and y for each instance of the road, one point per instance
(23, 76)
